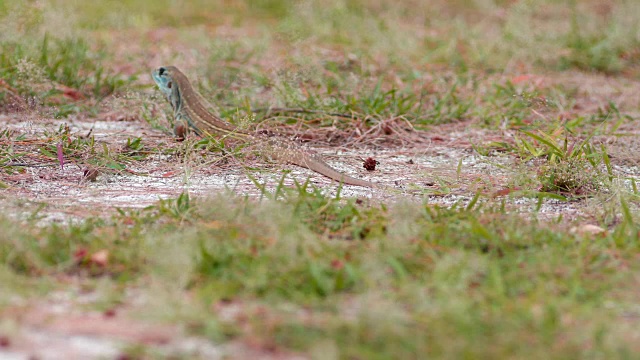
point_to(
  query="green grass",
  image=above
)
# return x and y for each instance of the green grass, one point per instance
(52, 61)
(377, 281)
(491, 276)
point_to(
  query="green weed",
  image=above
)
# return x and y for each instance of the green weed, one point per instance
(478, 272)
(332, 276)
(54, 62)
(570, 168)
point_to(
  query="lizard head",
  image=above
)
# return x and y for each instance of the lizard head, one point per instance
(163, 76)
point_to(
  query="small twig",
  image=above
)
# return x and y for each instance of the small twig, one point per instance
(26, 165)
(270, 110)
(26, 142)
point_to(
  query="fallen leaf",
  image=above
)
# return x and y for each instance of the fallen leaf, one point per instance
(70, 93)
(337, 264)
(80, 254)
(521, 78)
(506, 191)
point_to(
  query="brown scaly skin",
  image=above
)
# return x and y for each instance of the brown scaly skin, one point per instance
(190, 111)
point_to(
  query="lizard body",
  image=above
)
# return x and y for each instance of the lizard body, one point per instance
(191, 111)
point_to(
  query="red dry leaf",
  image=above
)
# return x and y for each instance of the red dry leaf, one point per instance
(80, 254)
(70, 93)
(521, 78)
(4, 342)
(527, 79)
(506, 191)
(337, 264)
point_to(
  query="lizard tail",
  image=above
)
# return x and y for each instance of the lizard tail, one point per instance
(288, 151)
(318, 165)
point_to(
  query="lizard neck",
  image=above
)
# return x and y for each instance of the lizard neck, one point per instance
(176, 101)
(187, 103)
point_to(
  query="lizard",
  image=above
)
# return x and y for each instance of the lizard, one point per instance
(190, 111)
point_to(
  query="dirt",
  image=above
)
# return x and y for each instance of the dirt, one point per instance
(58, 327)
(441, 169)
(427, 173)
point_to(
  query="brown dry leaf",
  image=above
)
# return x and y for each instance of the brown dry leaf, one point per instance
(527, 78)
(214, 225)
(4, 342)
(337, 264)
(505, 191)
(521, 78)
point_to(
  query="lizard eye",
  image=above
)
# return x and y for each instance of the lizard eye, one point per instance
(161, 71)
(169, 84)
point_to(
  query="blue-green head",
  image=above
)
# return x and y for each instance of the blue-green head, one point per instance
(162, 77)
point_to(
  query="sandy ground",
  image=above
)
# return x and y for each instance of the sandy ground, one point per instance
(442, 169)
